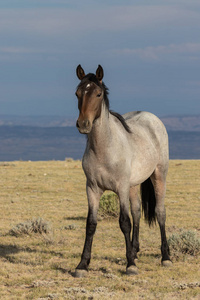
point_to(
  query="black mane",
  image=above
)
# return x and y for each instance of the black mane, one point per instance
(121, 119)
(93, 78)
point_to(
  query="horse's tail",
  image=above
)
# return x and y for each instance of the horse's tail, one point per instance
(148, 201)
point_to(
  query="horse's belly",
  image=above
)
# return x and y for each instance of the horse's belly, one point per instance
(141, 170)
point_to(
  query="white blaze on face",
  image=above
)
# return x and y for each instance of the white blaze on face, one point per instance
(87, 87)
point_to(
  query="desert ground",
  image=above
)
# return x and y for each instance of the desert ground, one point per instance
(42, 229)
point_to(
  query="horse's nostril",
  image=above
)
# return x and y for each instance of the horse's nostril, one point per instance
(87, 123)
(84, 126)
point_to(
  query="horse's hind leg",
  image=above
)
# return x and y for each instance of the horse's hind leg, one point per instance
(125, 225)
(136, 213)
(159, 182)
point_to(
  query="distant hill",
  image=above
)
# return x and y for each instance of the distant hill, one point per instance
(38, 121)
(172, 123)
(182, 123)
(184, 144)
(55, 137)
(48, 143)
(40, 143)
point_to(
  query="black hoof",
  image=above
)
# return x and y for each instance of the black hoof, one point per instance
(132, 270)
(80, 273)
(167, 263)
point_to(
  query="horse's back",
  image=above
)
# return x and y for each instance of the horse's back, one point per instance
(148, 129)
(142, 118)
(145, 121)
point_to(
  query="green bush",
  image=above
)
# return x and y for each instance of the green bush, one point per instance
(109, 205)
(185, 242)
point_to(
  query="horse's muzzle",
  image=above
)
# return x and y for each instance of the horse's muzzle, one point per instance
(84, 126)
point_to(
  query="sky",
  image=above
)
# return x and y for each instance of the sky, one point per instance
(149, 50)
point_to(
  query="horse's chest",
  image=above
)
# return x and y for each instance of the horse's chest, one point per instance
(105, 174)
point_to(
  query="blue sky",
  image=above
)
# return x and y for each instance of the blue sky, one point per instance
(150, 52)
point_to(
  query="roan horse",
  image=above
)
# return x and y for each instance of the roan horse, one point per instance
(121, 153)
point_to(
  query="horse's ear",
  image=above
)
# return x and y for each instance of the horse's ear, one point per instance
(80, 72)
(99, 73)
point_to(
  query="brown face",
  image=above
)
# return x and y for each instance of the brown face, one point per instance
(90, 98)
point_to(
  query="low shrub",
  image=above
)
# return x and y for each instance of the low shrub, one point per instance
(37, 225)
(109, 205)
(185, 242)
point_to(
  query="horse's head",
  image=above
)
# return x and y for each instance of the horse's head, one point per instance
(90, 94)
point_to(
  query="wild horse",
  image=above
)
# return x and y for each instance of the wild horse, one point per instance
(121, 153)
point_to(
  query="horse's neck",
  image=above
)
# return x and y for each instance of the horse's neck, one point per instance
(100, 136)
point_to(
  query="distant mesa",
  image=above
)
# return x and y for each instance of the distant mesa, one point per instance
(55, 138)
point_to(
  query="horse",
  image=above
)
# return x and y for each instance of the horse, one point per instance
(122, 152)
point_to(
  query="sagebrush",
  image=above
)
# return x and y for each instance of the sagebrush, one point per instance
(185, 242)
(37, 225)
(109, 205)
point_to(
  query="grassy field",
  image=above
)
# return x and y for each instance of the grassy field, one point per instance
(41, 266)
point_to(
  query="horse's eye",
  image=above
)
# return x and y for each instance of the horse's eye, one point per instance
(99, 95)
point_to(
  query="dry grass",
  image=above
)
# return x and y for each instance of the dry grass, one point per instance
(38, 266)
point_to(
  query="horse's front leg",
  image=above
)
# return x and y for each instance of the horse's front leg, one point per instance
(125, 225)
(93, 195)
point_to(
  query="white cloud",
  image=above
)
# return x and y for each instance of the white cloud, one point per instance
(62, 30)
(160, 52)
(46, 43)
(14, 53)
(19, 50)
(34, 21)
(57, 21)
